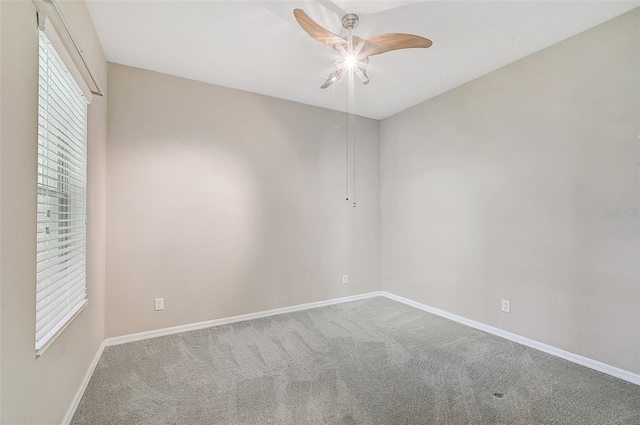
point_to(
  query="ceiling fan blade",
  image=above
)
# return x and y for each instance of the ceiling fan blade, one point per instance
(312, 28)
(382, 43)
(327, 83)
(336, 75)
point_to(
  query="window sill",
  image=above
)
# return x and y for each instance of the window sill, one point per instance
(42, 349)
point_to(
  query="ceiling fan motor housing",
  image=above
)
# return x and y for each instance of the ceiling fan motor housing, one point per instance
(350, 21)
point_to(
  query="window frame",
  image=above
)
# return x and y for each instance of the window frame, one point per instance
(65, 193)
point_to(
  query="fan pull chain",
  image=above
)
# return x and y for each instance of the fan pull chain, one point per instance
(349, 85)
(354, 160)
(350, 95)
(350, 134)
(346, 144)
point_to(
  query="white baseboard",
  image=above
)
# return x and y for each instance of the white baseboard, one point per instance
(572, 357)
(233, 319)
(83, 386)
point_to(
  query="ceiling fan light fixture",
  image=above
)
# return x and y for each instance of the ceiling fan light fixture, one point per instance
(355, 59)
(350, 61)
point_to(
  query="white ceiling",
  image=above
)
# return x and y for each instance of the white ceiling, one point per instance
(258, 46)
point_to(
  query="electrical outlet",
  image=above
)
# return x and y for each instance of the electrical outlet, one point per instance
(345, 279)
(159, 304)
(506, 306)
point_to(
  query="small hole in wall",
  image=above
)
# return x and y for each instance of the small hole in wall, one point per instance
(499, 395)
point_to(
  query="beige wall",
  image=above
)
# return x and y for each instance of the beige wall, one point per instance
(40, 391)
(225, 202)
(500, 189)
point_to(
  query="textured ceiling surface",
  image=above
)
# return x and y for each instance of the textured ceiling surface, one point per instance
(258, 46)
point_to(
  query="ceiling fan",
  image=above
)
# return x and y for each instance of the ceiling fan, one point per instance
(355, 51)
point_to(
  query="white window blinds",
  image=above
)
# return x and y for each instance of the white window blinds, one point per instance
(61, 211)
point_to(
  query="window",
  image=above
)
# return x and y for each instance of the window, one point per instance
(62, 197)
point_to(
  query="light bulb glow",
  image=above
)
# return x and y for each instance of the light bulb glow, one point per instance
(350, 61)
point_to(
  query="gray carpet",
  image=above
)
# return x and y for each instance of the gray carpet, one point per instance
(366, 362)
